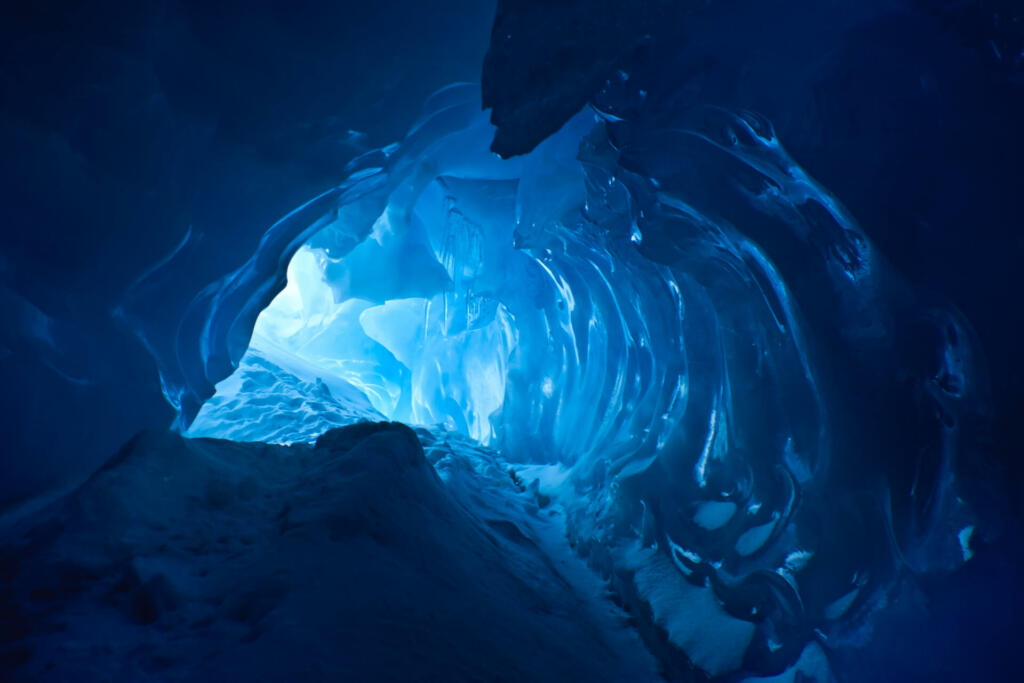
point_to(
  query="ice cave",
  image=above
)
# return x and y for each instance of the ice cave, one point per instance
(663, 351)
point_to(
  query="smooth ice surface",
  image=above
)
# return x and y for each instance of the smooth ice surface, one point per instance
(647, 309)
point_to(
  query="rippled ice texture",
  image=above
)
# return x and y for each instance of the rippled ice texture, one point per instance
(752, 424)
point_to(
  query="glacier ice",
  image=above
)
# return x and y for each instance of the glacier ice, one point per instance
(674, 332)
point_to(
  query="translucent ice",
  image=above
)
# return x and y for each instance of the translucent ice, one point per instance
(695, 331)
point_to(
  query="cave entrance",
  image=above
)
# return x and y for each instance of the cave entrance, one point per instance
(413, 324)
(407, 318)
(503, 299)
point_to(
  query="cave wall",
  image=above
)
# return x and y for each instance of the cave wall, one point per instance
(907, 110)
(129, 125)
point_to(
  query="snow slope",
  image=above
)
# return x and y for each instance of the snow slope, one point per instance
(203, 559)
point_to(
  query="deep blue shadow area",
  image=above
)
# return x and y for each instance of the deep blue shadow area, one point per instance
(971, 630)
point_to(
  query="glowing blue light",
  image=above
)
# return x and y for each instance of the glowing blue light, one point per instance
(608, 327)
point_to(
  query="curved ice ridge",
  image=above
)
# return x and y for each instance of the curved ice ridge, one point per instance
(733, 382)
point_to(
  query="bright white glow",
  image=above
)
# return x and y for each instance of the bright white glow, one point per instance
(404, 354)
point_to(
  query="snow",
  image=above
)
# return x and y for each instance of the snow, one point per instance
(188, 559)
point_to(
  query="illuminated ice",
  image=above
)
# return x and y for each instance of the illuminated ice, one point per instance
(642, 310)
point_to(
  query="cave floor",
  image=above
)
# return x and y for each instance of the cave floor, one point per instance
(361, 558)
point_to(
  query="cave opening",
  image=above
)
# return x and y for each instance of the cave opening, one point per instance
(487, 300)
(590, 374)
(633, 320)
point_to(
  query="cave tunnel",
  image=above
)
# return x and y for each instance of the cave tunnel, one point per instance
(624, 365)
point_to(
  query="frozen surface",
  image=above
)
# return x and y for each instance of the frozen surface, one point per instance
(211, 560)
(754, 404)
(697, 333)
(262, 401)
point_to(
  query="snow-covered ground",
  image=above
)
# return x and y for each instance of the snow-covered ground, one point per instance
(359, 558)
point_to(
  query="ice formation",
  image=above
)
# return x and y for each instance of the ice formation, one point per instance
(673, 332)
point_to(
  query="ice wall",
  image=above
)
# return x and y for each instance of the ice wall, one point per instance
(752, 420)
